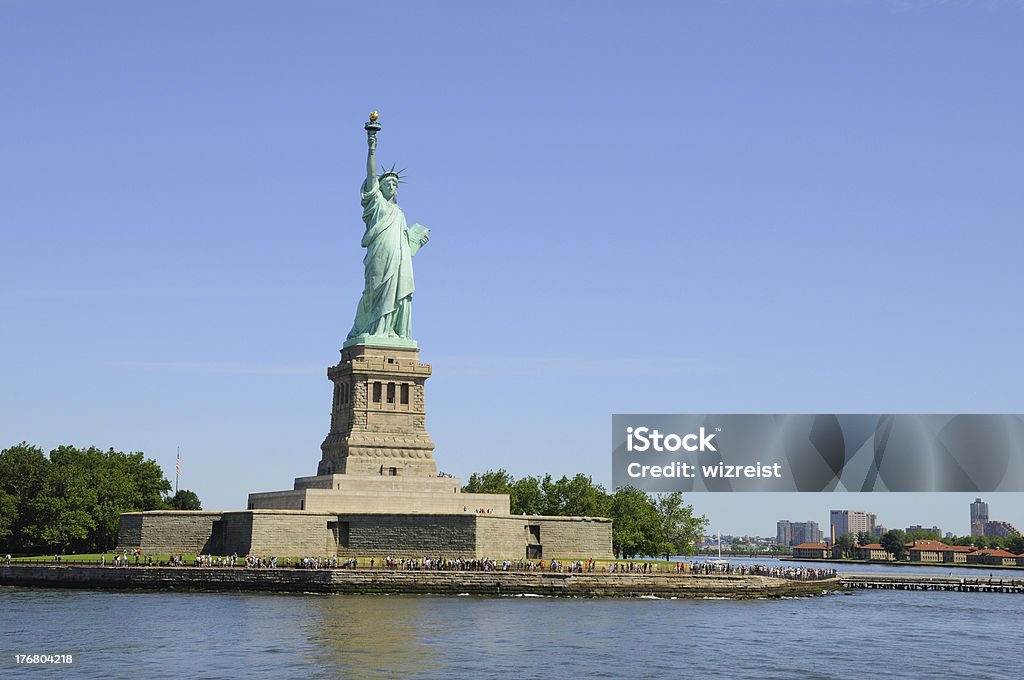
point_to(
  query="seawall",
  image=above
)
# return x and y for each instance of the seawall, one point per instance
(363, 581)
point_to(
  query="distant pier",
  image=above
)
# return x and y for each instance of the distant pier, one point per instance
(933, 583)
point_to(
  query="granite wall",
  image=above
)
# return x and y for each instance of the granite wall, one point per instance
(450, 536)
(319, 534)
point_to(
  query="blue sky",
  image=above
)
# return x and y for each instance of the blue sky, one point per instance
(705, 207)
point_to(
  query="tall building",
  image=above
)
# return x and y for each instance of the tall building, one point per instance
(806, 532)
(784, 532)
(917, 527)
(979, 515)
(795, 533)
(851, 522)
(995, 527)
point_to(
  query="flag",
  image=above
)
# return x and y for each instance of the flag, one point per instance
(177, 466)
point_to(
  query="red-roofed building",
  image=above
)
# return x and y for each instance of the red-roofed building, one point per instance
(958, 553)
(871, 551)
(999, 557)
(937, 551)
(817, 551)
(927, 551)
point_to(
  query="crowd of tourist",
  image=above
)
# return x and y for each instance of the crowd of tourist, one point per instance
(125, 559)
(723, 567)
(426, 563)
(455, 564)
(449, 564)
(632, 568)
(323, 563)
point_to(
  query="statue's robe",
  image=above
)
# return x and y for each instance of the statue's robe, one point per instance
(385, 308)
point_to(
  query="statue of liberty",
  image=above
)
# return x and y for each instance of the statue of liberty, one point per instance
(384, 314)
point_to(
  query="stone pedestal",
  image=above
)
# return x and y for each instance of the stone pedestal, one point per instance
(378, 418)
(376, 491)
(378, 457)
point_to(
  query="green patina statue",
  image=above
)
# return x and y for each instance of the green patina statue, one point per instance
(384, 314)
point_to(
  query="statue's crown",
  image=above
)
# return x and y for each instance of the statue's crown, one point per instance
(397, 174)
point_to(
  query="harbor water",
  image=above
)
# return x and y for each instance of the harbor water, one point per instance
(219, 635)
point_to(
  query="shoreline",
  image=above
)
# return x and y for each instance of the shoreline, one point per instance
(400, 582)
(941, 565)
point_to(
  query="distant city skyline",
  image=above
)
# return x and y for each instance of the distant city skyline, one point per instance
(929, 506)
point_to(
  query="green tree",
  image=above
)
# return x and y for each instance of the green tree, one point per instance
(580, 497)
(22, 469)
(84, 492)
(576, 497)
(492, 481)
(8, 516)
(527, 497)
(1014, 544)
(636, 524)
(845, 543)
(865, 537)
(894, 542)
(62, 509)
(186, 499)
(679, 528)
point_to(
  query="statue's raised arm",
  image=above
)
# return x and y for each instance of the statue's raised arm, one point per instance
(371, 154)
(384, 315)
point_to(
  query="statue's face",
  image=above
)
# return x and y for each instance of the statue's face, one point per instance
(389, 187)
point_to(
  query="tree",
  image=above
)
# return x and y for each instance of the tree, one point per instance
(62, 509)
(1014, 544)
(636, 524)
(960, 540)
(922, 535)
(679, 528)
(845, 543)
(8, 515)
(22, 469)
(185, 499)
(526, 496)
(492, 481)
(576, 497)
(865, 537)
(894, 543)
(83, 493)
